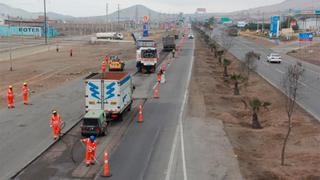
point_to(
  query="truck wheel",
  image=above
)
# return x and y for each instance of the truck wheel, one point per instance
(143, 70)
(120, 118)
(129, 107)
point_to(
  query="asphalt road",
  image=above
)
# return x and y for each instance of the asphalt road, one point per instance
(309, 85)
(63, 160)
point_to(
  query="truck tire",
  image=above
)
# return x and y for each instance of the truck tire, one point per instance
(144, 70)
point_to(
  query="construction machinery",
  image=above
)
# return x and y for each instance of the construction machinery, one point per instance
(115, 64)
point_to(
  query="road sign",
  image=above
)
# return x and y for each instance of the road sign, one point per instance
(145, 30)
(145, 18)
(306, 36)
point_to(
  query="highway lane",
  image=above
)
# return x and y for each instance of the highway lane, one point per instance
(310, 83)
(145, 151)
(57, 162)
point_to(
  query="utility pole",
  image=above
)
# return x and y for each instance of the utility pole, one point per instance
(118, 15)
(263, 22)
(45, 21)
(10, 44)
(107, 18)
(136, 20)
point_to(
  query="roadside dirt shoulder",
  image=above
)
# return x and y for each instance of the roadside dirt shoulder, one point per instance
(258, 151)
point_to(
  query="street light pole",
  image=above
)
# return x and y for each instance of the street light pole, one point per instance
(10, 43)
(45, 21)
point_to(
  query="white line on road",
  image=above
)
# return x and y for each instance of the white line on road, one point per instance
(279, 71)
(179, 129)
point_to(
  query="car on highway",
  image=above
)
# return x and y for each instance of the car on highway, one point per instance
(274, 58)
(94, 123)
(190, 36)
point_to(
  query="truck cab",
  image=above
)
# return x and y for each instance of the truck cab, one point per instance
(147, 58)
(94, 123)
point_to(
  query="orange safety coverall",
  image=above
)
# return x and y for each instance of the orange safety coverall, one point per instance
(159, 77)
(10, 97)
(103, 67)
(55, 122)
(25, 92)
(90, 150)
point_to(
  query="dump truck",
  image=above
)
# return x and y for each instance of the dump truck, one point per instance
(115, 64)
(145, 43)
(110, 92)
(147, 59)
(168, 43)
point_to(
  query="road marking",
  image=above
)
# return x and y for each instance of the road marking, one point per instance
(279, 71)
(179, 129)
(155, 85)
(303, 84)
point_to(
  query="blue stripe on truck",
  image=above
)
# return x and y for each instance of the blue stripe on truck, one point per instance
(126, 79)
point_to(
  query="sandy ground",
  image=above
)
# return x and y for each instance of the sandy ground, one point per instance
(310, 54)
(258, 151)
(259, 40)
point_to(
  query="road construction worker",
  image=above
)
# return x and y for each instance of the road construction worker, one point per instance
(10, 97)
(25, 93)
(159, 75)
(103, 67)
(71, 52)
(55, 123)
(91, 146)
(106, 58)
(173, 52)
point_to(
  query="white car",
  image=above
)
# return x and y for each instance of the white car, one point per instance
(274, 58)
(190, 36)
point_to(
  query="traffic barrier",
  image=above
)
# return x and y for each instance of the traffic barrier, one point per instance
(156, 91)
(106, 168)
(140, 117)
(163, 78)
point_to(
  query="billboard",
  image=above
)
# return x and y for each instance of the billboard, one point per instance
(306, 37)
(26, 31)
(274, 26)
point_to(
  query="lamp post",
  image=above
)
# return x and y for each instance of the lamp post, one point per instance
(45, 21)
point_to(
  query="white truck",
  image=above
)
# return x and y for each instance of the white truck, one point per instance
(110, 91)
(147, 59)
(106, 36)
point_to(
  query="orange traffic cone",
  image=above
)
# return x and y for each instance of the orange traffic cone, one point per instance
(156, 92)
(164, 67)
(159, 77)
(140, 117)
(106, 169)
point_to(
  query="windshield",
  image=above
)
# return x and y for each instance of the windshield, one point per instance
(90, 122)
(149, 53)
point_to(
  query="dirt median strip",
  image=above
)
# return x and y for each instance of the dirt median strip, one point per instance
(258, 151)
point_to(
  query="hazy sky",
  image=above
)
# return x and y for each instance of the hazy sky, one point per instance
(97, 7)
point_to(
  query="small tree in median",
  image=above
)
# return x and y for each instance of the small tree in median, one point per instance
(255, 105)
(220, 54)
(249, 63)
(237, 79)
(290, 84)
(226, 63)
